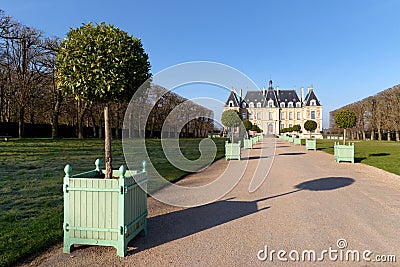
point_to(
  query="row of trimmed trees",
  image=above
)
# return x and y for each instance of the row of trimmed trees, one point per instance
(377, 116)
(29, 93)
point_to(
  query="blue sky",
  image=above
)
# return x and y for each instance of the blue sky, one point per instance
(347, 50)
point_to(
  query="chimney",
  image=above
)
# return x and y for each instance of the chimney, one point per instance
(302, 94)
(233, 90)
(264, 91)
(277, 89)
(241, 94)
(309, 89)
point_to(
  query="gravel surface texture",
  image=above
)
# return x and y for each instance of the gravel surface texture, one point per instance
(307, 202)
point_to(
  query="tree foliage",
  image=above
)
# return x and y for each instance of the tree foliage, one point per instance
(247, 124)
(310, 125)
(231, 118)
(101, 63)
(345, 119)
(104, 64)
(296, 128)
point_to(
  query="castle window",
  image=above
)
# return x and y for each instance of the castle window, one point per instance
(298, 105)
(270, 116)
(258, 115)
(230, 104)
(282, 115)
(250, 116)
(313, 115)
(290, 115)
(313, 103)
(251, 105)
(244, 115)
(270, 103)
(282, 104)
(259, 105)
(290, 105)
(298, 115)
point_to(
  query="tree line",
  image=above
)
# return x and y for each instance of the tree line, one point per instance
(378, 116)
(29, 94)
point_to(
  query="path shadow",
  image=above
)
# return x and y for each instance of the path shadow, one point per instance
(282, 146)
(291, 154)
(179, 224)
(254, 157)
(182, 223)
(322, 184)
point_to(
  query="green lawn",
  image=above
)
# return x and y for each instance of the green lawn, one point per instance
(381, 154)
(31, 176)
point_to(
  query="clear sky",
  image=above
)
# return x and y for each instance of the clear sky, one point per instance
(346, 49)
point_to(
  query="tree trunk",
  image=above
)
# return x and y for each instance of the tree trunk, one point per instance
(80, 127)
(373, 135)
(55, 115)
(21, 123)
(363, 135)
(388, 136)
(379, 134)
(344, 136)
(54, 125)
(107, 143)
(100, 132)
(397, 136)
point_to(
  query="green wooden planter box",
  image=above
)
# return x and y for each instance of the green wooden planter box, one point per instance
(344, 152)
(311, 144)
(104, 212)
(232, 151)
(290, 139)
(297, 141)
(248, 143)
(254, 140)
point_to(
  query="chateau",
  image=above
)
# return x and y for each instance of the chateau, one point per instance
(273, 109)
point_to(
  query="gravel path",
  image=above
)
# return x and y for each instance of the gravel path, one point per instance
(307, 202)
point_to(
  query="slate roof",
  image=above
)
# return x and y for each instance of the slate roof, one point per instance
(255, 97)
(278, 96)
(287, 96)
(311, 96)
(233, 97)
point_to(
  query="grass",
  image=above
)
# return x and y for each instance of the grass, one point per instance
(381, 154)
(31, 177)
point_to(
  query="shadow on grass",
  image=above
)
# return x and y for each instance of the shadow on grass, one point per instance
(178, 224)
(358, 160)
(379, 154)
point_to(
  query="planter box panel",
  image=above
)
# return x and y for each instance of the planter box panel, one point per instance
(344, 152)
(297, 141)
(311, 144)
(232, 151)
(248, 143)
(107, 212)
(96, 208)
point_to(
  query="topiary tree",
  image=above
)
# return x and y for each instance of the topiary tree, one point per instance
(230, 119)
(310, 126)
(296, 128)
(247, 125)
(345, 119)
(101, 64)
